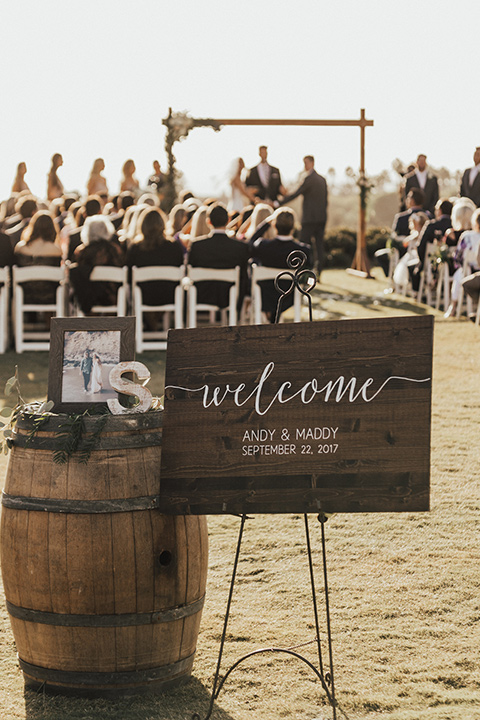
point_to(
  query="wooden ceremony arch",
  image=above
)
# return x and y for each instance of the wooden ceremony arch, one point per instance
(178, 126)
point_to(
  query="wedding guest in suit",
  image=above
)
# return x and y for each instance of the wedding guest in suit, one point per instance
(433, 231)
(218, 250)
(415, 203)
(314, 213)
(422, 178)
(470, 186)
(265, 179)
(54, 184)
(19, 184)
(274, 253)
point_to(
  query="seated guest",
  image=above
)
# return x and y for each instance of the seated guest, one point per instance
(467, 252)
(177, 219)
(199, 227)
(92, 206)
(99, 247)
(151, 247)
(409, 260)
(432, 232)
(414, 201)
(38, 246)
(123, 202)
(218, 250)
(26, 207)
(400, 229)
(6, 251)
(274, 253)
(471, 285)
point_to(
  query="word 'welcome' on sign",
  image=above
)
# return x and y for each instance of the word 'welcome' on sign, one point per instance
(327, 416)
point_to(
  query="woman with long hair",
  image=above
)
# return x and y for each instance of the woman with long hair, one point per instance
(39, 246)
(129, 181)
(19, 184)
(54, 184)
(96, 183)
(152, 247)
(99, 246)
(240, 195)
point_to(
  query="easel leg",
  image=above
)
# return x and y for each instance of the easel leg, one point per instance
(196, 716)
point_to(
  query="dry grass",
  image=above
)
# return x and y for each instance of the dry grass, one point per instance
(404, 588)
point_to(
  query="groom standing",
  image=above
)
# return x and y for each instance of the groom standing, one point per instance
(86, 369)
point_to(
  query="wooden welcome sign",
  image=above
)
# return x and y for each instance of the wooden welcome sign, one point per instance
(323, 416)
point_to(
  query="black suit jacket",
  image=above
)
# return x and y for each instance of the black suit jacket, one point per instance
(400, 221)
(315, 198)
(274, 253)
(269, 192)
(219, 250)
(430, 189)
(433, 230)
(470, 191)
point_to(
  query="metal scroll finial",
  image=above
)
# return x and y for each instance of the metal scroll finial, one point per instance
(303, 279)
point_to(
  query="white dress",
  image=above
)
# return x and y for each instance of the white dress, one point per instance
(97, 380)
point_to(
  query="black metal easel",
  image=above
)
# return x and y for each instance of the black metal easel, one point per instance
(304, 281)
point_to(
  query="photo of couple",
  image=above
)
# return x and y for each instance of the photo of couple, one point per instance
(88, 357)
(91, 369)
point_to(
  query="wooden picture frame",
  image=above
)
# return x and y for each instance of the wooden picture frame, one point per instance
(111, 339)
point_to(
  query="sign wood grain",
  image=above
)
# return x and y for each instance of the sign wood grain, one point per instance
(325, 416)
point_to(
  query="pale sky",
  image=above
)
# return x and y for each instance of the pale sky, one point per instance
(94, 78)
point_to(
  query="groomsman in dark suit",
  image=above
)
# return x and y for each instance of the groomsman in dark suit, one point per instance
(470, 186)
(422, 178)
(218, 250)
(314, 212)
(265, 179)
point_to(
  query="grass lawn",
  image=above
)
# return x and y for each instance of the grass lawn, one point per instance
(404, 588)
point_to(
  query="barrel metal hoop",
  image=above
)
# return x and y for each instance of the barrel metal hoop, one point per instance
(106, 678)
(105, 621)
(80, 507)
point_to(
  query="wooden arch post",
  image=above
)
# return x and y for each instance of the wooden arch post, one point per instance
(360, 263)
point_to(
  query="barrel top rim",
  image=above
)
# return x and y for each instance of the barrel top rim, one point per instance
(134, 421)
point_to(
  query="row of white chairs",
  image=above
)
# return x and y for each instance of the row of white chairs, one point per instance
(185, 303)
(433, 291)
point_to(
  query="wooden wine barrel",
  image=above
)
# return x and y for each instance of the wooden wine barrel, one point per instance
(104, 592)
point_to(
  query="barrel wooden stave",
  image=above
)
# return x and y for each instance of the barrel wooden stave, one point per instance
(101, 565)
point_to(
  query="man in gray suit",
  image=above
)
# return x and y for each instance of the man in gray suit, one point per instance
(314, 213)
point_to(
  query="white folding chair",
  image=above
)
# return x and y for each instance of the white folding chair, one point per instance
(28, 339)
(111, 274)
(198, 274)
(259, 274)
(149, 339)
(4, 307)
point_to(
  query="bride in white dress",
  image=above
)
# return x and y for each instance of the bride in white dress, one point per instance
(239, 193)
(97, 380)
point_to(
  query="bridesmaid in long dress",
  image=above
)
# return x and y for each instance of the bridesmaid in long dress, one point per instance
(54, 184)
